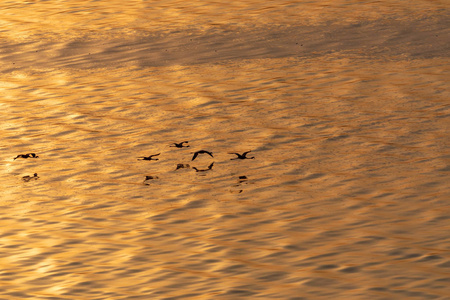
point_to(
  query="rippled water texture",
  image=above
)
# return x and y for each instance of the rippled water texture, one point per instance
(344, 105)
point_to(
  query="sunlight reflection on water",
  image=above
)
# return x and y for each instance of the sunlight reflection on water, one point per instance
(347, 194)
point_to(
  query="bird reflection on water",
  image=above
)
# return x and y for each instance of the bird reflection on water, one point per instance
(148, 177)
(28, 177)
(204, 170)
(242, 156)
(241, 179)
(182, 166)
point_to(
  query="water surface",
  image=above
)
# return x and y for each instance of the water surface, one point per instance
(343, 104)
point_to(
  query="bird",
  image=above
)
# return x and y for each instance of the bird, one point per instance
(200, 152)
(203, 170)
(242, 156)
(149, 157)
(28, 177)
(180, 145)
(33, 155)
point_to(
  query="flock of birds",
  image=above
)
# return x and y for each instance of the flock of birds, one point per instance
(183, 144)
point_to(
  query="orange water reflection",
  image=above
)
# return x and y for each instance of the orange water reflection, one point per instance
(347, 194)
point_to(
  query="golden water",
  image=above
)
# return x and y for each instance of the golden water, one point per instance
(344, 104)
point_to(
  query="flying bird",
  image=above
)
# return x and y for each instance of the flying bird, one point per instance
(242, 156)
(33, 155)
(201, 152)
(149, 157)
(180, 145)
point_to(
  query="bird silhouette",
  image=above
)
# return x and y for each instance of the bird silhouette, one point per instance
(180, 145)
(28, 177)
(201, 152)
(203, 170)
(242, 156)
(33, 155)
(149, 157)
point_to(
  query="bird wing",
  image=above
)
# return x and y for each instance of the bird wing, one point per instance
(245, 153)
(195, 155)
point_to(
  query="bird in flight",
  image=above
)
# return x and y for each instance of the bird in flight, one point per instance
(33, 155)
(242, 156)
(180, 145)
(201, 152)
(149, 157)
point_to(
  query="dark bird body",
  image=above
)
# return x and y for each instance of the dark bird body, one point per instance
(33, 155)
(242, 156)
(201, 152)
(149, 157)
(180, 145)
(28, 177)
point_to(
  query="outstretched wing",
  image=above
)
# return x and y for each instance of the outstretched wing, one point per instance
(195, 155)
